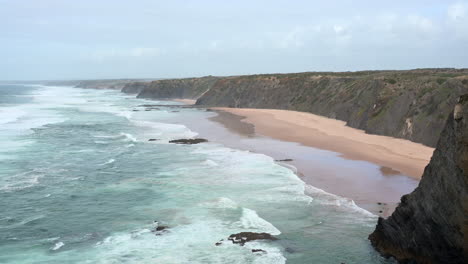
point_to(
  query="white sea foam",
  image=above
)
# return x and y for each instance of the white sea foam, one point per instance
(329, 199)
(222, 202)
(165, 130)
(57, 245)
(10, 114)
(101, 142)
(110, 161)
(210, 163)
(38, 113)
(251, 221)
(129, 137)
(273, 254)
(21, 182)
(190, 243)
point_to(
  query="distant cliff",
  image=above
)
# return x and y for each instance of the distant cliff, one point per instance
(172, 88)
(431, 224)
(116, 84)
(406, 104)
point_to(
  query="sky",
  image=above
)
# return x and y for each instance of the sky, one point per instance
(95, 39)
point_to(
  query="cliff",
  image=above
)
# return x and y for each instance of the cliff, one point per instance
(405, 104)
(187, 88)
(431, 224)
(116, 84)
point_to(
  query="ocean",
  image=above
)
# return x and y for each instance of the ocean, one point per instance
(80, 182)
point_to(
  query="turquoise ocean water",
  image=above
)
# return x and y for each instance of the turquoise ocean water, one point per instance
(81, 183)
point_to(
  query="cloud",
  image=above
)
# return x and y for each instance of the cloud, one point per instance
(457, 23)
(175, 38)
(457, 11)
(118, 53)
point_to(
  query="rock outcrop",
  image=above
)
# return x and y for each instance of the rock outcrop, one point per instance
(244, 237)
(188, 141)
(430, 225)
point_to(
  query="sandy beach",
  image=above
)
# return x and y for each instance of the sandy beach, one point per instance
(185, 101)
(374, 184)
(394, 155)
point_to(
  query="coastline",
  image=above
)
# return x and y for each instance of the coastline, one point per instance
(372, 187)
(394, 155)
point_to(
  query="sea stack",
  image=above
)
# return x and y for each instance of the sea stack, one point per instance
(430, 225)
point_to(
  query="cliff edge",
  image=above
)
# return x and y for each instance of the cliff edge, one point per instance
(431, 224)
(406, 104)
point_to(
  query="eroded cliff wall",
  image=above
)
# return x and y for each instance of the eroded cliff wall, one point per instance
(431, 224)
(188, 88)
(406, 104)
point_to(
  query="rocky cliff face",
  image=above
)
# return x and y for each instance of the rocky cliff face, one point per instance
(135, 87)
(116, 84)
(431, 224)
(406, 104)
(174, 88)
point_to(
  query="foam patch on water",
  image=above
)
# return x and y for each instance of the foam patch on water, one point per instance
(192, 243)
(128, 137)
(329, 199)
(210, 163)
(110, 161)
(165, 131)
(272, 254)
(57, 246)
(251, 221)
(20, 182)
(220, 203)
(10, 114)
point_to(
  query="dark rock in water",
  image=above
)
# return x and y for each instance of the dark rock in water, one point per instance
(244, 237)
(153, 139)
(218, 243)
(283, 160)
(258, 250)
(135, 110)
(188, 141)
(431, 224)
(161, 228)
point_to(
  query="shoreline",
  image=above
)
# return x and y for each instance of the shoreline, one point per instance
(372, 187)
(395, 156)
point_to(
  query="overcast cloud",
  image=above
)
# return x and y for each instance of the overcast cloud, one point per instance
(59, 39)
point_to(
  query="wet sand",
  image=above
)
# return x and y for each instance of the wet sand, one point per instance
(394, 155)
(375, 188)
